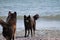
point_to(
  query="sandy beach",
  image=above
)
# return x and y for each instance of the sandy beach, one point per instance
(48, 24)
(40, 35)
(44, 34)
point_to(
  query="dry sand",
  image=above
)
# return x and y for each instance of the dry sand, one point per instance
(40, 35)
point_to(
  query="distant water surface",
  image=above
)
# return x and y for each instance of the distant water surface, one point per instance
(41, 24)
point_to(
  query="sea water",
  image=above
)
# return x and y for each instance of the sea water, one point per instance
(41, 24)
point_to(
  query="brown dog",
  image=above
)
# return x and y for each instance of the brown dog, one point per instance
(30, 24)
(11, 19)
(9, 27)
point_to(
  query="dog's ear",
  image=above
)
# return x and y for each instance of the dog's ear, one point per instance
(29, 16)
(9, 13)
(36, 16)
(15, 13)
(25, 16)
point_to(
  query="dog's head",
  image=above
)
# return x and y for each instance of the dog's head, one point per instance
(36, 17)
(11, 16)
(26, 20)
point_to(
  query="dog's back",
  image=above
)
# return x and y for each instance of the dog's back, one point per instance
(7, 30)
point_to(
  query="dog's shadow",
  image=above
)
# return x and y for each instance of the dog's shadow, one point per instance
(21, 37)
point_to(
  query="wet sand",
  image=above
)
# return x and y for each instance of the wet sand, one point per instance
(39, 35)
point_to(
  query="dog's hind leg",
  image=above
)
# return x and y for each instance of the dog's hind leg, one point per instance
(28, 32)
(13, 37)
(9, 38)
(34, 29)
(31, 32)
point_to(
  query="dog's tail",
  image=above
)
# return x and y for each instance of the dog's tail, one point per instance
(1, 21)
(3, 24)
(36, 17)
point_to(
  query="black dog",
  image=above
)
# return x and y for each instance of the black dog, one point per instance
(26, 23)
(30, 24)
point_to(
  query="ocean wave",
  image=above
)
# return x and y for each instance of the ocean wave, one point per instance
(51, 17)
